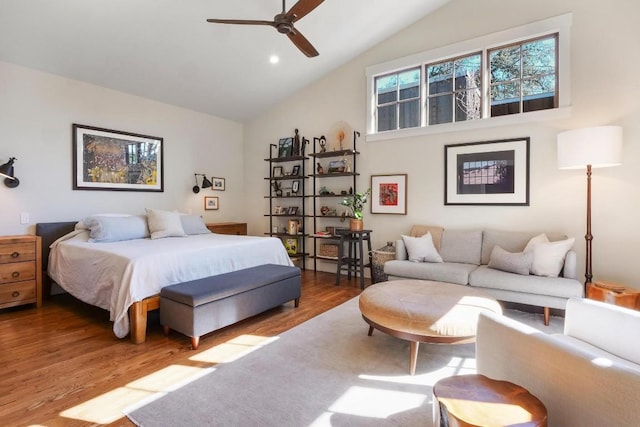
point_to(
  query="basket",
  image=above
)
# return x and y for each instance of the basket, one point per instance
(328, 250)
(379, 257)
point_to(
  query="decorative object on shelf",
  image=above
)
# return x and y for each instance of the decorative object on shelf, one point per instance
(295, 171)
(296, 144)
(285, 147)
(291, 244)
(389, 194)
(323, 144)
(295, 187)
(278, 210)
(205, 183)
(303, 147)
(319, 169)
(99, 163)
(292, 226)
(277, 188)
(337, 166)
(211, 203)
(487, 173)
(356, 204)
(293, 210)
(324, 210)
(588, 148)
(323, 191)
(6, 170)
(277, 172)
(218, 184)
(328, 250)
(340, 137)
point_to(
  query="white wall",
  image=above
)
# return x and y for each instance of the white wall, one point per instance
(605, 88)
(36, 114)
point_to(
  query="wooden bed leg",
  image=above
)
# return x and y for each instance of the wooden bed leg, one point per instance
(138, 322)
(195, 341)
(165, 330)
(297, 302)
(546, 316)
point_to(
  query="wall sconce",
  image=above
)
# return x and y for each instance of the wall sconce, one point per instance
(6, 171)
(205, 182)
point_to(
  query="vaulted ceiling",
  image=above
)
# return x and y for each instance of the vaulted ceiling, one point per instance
(166, 51)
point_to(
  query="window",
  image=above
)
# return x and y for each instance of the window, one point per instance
(513, 76)
(524, 76)
(398, 100)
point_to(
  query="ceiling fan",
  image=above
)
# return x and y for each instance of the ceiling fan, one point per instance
(283, 22)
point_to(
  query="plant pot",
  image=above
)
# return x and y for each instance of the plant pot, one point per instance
(355, 225)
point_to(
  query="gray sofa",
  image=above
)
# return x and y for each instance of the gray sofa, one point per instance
(466, 255)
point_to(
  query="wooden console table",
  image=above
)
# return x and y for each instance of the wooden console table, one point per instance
(614, 294)
(228, 227)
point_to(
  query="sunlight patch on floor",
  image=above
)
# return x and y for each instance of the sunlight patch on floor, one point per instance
(455, 366)
(232, 349)
(375, 402)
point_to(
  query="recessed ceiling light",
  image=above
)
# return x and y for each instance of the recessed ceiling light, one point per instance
(274, 59)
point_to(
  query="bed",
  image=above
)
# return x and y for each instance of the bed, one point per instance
(125, 276)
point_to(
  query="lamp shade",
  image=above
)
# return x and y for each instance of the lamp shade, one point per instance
(596, 146)
(6, 170)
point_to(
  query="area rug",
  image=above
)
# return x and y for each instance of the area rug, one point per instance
(324, 372)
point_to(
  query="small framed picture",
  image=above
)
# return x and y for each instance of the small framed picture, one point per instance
(296, 170)
(218, 184)
(279, 210)
(211, 203)
(274, 229)
(285, 147)
(293, 210)
(277, 172)
(295, 187)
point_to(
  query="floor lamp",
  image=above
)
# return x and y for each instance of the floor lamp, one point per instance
(595, 147)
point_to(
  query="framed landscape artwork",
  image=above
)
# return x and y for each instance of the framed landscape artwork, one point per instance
(487, 173)
(389, 194)
(211, 203)
(105, 159)
(217, 183)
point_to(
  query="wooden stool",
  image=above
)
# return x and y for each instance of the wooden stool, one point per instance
(478, 401)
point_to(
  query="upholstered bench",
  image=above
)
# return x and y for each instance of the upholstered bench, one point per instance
(201, 306)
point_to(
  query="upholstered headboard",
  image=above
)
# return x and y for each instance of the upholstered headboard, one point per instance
(49, 232)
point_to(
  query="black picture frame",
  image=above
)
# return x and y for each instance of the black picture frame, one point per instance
(295, 187)
(285, 147)
(487, 173)
(106, 159)
(296, 170)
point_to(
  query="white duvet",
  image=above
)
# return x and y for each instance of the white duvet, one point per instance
(115, 275)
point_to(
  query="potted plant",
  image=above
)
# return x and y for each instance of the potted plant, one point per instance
(356, 204)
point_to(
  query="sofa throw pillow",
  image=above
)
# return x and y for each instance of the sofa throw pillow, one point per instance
(164, 224)
(540, 238)
(193, 224)
(516, 262)
(421, 249)
(548, 258)
(103, 229)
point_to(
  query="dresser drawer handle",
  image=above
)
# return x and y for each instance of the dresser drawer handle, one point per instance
(15, 255)
(15, 274)
(15, 294)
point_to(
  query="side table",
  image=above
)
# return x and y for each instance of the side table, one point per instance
(614, 294)
(476, 400)
(353, 262)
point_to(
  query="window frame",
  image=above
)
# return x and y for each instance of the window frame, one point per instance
(518, 35)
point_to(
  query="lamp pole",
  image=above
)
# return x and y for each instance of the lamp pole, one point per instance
(588, 237)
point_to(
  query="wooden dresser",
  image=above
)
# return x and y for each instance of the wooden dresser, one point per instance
(228, 227)
(20, 271)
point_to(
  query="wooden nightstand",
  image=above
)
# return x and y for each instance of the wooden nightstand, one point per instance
(228, 227)
(614, 294)
(20, 271)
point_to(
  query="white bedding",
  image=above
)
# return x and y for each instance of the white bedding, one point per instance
(115, 275)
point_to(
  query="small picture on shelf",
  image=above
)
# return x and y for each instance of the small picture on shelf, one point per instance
(285, 147)
(278, 210)
(295, 187)
(337, 166)
(293, 210)
(296, 170)
(277, 172)
(291, 245)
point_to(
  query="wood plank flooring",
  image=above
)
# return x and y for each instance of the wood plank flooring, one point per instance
(62, 365)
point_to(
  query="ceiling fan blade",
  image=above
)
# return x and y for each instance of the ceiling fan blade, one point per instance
(302, 43)
(300, 9)
(241, 22)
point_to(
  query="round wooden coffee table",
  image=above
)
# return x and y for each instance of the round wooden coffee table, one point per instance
(425, 311)
(475, 400)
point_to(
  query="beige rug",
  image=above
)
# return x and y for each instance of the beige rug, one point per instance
(325, 372)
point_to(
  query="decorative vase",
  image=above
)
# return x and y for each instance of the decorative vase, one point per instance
(355, 225)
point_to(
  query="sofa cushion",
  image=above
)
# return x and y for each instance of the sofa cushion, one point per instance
(510, 241)
(421, 249)
(486, 277)
(516, 262)
(421, 230)
(461, 246)
(548, 258)
(449, 272)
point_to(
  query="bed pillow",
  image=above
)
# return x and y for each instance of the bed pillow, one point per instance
(104, 229)
(193, 224)
(548, 258)
(421, 249)
(164, 224)
(80, 225)
(517, 262)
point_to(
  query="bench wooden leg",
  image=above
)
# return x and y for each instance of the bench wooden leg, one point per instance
(195, 341)
(297, 302)
(370, 331)
(413, 356)
(546, 316)
(165, 330)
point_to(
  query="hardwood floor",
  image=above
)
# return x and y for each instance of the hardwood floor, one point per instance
(62, 365)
